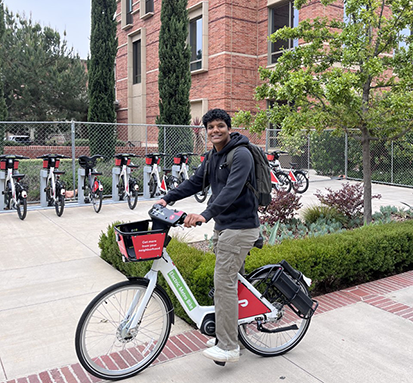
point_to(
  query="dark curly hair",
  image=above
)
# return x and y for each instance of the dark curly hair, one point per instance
(216, 114)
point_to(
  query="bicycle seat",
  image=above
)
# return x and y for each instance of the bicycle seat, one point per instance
(18, 175)
(133, 166)
(166, 170)
(88, 162)
(96, 173)
(58, 172)
(293, 164)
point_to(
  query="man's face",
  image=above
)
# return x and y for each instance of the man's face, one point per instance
(218, 133)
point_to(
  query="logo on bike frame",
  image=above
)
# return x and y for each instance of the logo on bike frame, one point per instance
(182, 290)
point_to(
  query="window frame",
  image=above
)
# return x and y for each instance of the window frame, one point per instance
(137, 62)
(145, 12)
(196, 12)
(293, 18)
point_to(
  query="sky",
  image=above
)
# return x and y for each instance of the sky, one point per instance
(70, 15)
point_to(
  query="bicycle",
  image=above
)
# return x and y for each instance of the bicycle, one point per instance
(158, 186)
(127, 186)
(202, 195)
(298, 177)
(279, 179)
(15, 195)
(126, 326)
(55, 188)
(93, 188)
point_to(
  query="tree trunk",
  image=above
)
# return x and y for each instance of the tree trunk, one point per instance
(365, 142)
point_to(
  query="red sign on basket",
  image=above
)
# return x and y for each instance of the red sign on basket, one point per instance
(148, 246)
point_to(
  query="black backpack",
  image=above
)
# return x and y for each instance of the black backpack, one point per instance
(262, 172)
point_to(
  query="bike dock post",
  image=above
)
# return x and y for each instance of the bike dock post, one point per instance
(80, 182)
(175, 170)
(2, 178)
(43, 184)
(146, 177)
(115, 180)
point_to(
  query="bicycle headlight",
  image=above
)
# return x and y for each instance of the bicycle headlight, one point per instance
(24, 194)
(62, 191)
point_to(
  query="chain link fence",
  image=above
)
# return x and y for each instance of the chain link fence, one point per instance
(326, 153)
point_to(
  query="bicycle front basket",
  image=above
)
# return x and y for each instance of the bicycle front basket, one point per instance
(138, 243)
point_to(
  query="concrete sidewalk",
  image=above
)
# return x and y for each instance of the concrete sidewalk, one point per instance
(50, 270)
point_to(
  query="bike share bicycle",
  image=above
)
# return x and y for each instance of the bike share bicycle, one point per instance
(127, 186)
(55, 187)
(203, 194)
(92, 187)
(299, 179)
(15, 195)
(125, 327)
(157, 186)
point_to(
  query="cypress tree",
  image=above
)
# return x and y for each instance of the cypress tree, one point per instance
(101, 65)
(174, 81)
(3, 109)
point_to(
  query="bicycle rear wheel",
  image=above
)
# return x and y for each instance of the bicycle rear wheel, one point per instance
(302, 183)
(105, 348)
(153, 185)
(21, 208)
(275, 336)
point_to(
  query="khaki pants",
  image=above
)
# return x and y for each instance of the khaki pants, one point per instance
(231, 248)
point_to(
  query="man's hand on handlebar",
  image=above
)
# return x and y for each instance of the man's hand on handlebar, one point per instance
(193, 219)
(161, 202)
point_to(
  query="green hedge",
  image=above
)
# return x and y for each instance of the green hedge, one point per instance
(332, 261)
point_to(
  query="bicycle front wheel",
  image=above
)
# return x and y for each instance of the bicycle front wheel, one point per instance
(153, 185)
(133, 194)
(302, 183)
(21, 208)
(59, 204)
(105, 348)
(285, 183)
(96, 198)
(275, 336)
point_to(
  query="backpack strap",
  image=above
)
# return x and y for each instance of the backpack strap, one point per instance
(228, 163)
(206, 169)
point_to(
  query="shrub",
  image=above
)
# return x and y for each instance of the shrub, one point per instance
(281, 209)
(313, 213)
(348, 200)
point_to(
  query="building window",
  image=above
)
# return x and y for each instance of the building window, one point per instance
(129, 17)
(137, 62)
(147, 8)
(198, 37)
(279, 17)
(195, 41)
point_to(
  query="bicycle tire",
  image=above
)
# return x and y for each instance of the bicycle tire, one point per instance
(133, 195)
(48, 191)
(98, 335)
(285, 182)
(7, 196)
(302, 183)
(121, 189)
(153, 185)
(172, 183)
(202, 195)
(59, 204)
(289, 328)
(21, 208)
(96, 199)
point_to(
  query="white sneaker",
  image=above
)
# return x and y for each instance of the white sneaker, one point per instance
(219, 355)
(211, 342)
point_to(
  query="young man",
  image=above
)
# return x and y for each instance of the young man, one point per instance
(233, 206)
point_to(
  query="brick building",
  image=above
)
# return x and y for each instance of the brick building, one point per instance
(228, 40)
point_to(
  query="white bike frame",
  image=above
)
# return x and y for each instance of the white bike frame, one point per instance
(10, 178)
(252, 306)
(51, 177)
(277, 164)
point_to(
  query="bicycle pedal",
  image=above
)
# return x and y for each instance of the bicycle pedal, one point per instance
(222, 364)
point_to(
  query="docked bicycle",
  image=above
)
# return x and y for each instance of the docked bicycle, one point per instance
(298, 178)
(127, 186)
(55, 187)
(92, 187)
(125, 327)
(15, 195)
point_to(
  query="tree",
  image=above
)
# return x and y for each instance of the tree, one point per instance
(174, 81)
(101, 67)
(3, 108)
(354, 75)
(43, 79)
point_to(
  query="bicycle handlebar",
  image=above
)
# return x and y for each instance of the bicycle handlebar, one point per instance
(168, 217)
(14, 156)
(53, 155)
